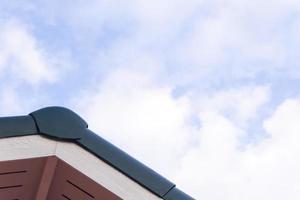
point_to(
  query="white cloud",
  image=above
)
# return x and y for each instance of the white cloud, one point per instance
(189, 40)
(239, 104)
(235, 41)
(130, 110)
(212, 40)
(143, 118)
(23, 57)
(25, 64)
(268, 170)
(9, 101)
(249, 37)
(140, 117)
(195, 40)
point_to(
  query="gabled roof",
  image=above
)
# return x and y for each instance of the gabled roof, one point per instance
(59, 123)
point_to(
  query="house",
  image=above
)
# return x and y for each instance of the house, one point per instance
(51, 154)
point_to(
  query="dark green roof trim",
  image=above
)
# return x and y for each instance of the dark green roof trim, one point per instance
(63, 124)
(176, 194)
(126, 164)
(17, 126)
(60, 123)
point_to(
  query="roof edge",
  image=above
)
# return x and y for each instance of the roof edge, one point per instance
(63, 124)
(59, 122)
(176, 194)
(17, 126)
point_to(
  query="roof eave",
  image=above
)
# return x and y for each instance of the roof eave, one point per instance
(63, 124)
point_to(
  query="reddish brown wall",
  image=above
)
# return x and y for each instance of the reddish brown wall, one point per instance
(48, 178)
(19, 179)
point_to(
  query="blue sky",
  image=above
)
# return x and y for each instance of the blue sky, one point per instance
(204, 92)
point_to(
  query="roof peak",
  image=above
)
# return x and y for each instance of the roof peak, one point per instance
(59, 122)
(63, 124)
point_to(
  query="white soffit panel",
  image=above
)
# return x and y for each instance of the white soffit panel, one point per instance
(26, 147)
(38, 146)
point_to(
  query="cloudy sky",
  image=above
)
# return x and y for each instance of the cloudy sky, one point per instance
(206, 92)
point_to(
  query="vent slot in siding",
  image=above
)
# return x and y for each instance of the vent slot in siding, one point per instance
(10, 176)
(65, 197)
(12, 186)
(82, 190)
(15, 172)
(19, 179)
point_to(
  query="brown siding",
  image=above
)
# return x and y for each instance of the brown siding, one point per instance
(19, 179)
(71, 184)
(48, 178)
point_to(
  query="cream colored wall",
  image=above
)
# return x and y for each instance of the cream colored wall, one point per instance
(26, 147)
(38, 146)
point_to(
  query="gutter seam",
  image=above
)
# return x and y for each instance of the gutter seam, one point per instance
(172, 188)
(35, 123)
